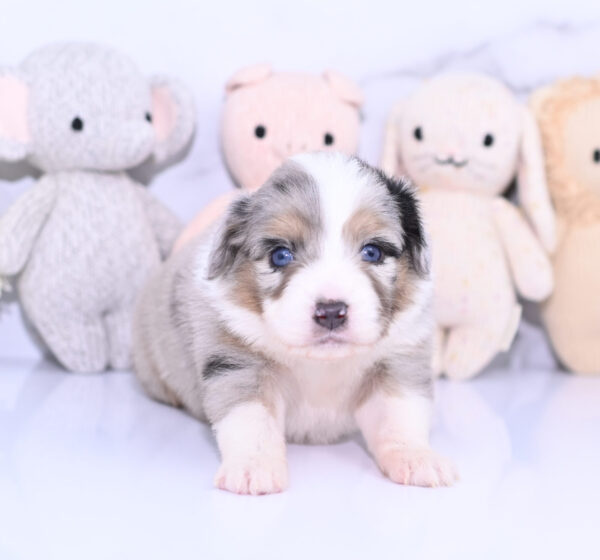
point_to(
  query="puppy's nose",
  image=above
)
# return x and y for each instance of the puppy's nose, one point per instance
(331, 315)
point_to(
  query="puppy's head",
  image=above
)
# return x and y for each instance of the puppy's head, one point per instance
(326, 256)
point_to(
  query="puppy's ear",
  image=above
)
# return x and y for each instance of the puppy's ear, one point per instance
(230, 238)
(409, 213)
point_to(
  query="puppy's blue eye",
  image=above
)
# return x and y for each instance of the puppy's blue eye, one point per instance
(371, 253)
(281, 256)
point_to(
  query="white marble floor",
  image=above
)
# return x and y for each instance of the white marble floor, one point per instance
(91, 468)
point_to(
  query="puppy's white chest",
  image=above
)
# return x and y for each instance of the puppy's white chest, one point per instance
(320, 401)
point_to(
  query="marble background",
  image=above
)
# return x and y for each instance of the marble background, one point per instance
(387, 47)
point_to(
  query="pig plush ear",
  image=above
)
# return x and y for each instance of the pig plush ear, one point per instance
(173, 116)
(247, 76)
(15, 139)
(344, 88)
(391, 161)
(533, 189)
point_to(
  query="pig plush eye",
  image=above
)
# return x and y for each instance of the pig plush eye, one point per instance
(418, 133)
(328, 139)
(596, 156)
(488, 140)
(260, 131)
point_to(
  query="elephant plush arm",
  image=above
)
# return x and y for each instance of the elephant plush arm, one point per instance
(21, 224)
(165, 224)
(530, 266)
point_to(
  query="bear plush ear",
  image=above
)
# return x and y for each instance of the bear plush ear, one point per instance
(533, 189)
(344, 88)
(390, 158)
(538, 99)
(173, 116)
(248, 75)
(14, 131)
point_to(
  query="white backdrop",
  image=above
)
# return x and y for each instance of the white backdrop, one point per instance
(387, 47)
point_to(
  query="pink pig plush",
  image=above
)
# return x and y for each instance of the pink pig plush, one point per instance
(269, 117)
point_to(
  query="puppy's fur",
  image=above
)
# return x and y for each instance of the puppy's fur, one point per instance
(224, 333)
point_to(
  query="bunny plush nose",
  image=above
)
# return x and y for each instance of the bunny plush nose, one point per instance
(331, 315)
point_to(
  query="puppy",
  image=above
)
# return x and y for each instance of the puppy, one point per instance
(304, 316)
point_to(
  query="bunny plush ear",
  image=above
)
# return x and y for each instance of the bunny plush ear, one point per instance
(14, 131)
(390, 157)
(248, 75)
(533, 189)
(344, 88)
(173, 116)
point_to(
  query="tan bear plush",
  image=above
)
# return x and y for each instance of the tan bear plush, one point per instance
(568, 114)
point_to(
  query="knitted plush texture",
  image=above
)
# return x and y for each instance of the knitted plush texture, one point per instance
(568, 114)
(84, 238)
(270, 116)
(462, 139)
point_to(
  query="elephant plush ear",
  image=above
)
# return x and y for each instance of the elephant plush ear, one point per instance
(173, 116)
(15, 139)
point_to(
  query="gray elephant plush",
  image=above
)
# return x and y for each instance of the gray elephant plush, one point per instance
(83, 239)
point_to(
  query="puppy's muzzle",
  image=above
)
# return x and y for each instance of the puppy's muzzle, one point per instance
(331, 315)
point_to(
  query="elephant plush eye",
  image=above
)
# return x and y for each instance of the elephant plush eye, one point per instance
(328, 139)
(597, 156)
(260, 131)
(488, 140)
(77, 124)
(148, 117)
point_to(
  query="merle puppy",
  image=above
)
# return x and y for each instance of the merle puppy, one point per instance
(303, 316)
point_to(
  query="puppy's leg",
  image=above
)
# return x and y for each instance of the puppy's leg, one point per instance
(252, 445)
(396, 429)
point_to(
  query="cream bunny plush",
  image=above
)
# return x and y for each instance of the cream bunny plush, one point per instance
(462, 138)
(568, 114)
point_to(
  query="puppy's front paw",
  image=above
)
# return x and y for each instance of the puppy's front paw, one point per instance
(417, 467)
(257, 475)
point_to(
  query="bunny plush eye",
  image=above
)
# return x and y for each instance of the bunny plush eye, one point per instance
(260, 131)
(488, 140)
(596, 156)
(418, 133)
